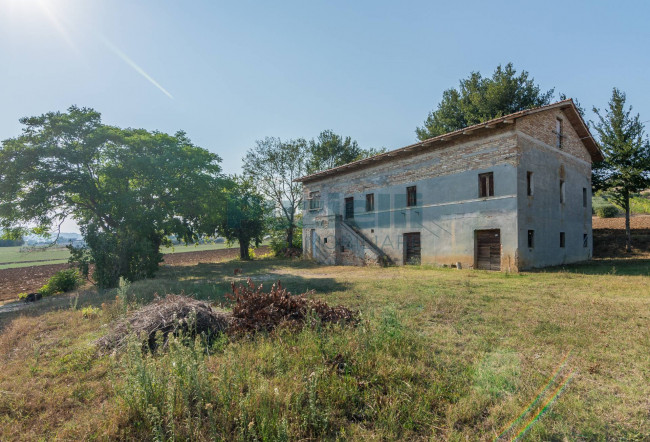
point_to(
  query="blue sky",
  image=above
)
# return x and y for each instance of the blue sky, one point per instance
(229, 73)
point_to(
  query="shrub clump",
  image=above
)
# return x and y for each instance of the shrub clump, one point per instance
(606, 211)
(61, 282)
(254, 310)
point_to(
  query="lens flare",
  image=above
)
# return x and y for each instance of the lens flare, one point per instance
(540, 395)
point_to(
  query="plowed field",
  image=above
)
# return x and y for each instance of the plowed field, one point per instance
(29, 279)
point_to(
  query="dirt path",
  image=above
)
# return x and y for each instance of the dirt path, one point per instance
(30, 279)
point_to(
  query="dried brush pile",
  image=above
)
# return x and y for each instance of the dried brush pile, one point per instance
(172, 314)
(254, 310)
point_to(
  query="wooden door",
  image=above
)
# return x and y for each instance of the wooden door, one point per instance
(412, 249)
(488, 249)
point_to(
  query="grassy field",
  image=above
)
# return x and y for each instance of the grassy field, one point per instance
(13, 257)
(439, 354)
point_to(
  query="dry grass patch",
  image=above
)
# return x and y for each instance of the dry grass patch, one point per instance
(438, 354)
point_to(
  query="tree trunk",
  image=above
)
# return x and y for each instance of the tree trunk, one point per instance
(628, 233)
(290, 233)
(243, 250)
(290, 237)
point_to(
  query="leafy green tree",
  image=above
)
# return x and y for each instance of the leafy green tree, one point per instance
(273, 165)
(331, 150)
(480, 99)
(243, 215)
(626, 167)
(128, 189)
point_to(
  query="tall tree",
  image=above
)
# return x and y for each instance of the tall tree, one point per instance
(480, 99)
(272, 165)
(626, 167)
(243, 215)
(128, 189)
(330, 150)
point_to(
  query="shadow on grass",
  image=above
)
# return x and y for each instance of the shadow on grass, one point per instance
(204, 281)
(614, 266)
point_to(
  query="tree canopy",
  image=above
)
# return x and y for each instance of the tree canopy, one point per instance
(273, 165)
(330, 150)
(128, 189)
(242, 216)
(626, 167)
(479, 99)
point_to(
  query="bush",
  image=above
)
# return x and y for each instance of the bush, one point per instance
(279, 237)
(90, 312)
(606, 211)
(63, 281)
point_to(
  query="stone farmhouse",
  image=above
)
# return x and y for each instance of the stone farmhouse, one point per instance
(512, 193)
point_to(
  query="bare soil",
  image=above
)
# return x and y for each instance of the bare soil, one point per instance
(30, 279)
(609, 237)
(618, 223)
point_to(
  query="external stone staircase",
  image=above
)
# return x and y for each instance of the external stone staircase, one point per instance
(357, 249)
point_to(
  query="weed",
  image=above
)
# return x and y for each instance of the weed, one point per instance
(90, 312)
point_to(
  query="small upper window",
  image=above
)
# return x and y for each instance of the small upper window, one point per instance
(558, 133)
(529, 183)
(411, 196)
(486, 184)
(562, 193)
(584, 197)
(370, 202)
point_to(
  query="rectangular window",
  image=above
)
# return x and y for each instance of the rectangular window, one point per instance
(562, 194)
(349, 208)
(558, 133)
(370, 202)
(585, 240)
(411, 196)
(562, 239)
(584, 197)
(529, 183)
(314, 201)
(486, 184)
(531, 239)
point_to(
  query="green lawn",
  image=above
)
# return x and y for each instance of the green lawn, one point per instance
(561, 354)
(12, 257)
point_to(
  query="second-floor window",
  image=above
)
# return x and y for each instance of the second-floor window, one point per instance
(558, 133)
(370, 202)
(584, 197)
(349, 208)
(314, 201)
(486, 184)
(529, 183)
(562, 192)
(411, 196)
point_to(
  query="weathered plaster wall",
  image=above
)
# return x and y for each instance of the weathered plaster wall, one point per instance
(543, 212)
(448, 209)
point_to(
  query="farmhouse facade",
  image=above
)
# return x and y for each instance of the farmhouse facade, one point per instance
(512, 193)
